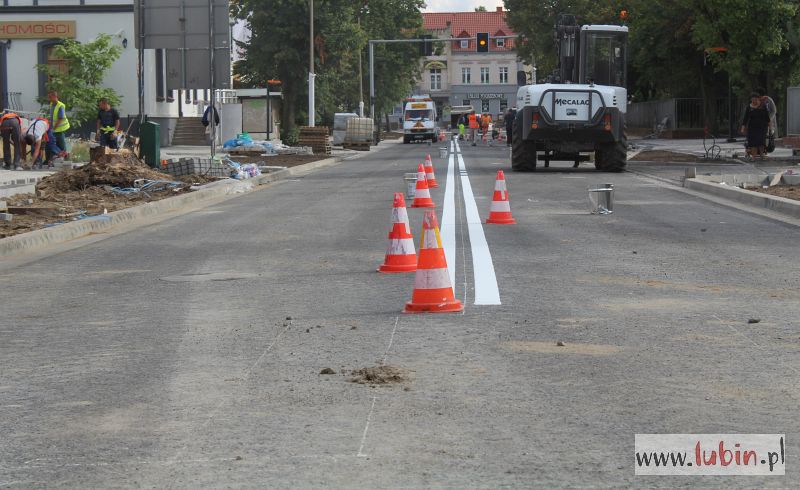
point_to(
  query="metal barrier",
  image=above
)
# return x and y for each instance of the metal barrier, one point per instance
(683, 113)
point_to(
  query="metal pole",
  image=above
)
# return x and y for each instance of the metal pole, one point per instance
(372, 80)
(211, 47)
(311, 75)
(141, 62)
(360, 80)
(731, 122)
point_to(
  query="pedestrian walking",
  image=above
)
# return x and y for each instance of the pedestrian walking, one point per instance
(58, 121)
(486, 121)
(107, 124)
(474, 125)
(756, 124)
(11, 129)
(510, 115)
(772, 110)
(38, 134)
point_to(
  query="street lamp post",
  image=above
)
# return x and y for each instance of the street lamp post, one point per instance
(311, 75)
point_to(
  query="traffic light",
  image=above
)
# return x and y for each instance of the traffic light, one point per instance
(483, 42)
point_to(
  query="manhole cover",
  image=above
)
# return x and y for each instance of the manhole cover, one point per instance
(210, 276)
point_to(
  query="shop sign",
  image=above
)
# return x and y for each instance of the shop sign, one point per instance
(40, 29)
(486, 96)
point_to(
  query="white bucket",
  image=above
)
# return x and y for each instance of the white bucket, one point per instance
(443, 152)
(601, 198)
(411, 185)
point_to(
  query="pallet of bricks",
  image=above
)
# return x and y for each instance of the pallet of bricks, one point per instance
(316, 138)
(196, 166)
(359, 134)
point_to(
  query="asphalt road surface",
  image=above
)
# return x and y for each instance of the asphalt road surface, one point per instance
(187, 354)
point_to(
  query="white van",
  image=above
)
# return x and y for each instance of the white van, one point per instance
(419, 119)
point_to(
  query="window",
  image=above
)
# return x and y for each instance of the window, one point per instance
(503, 106)
(501, 43)
(485, 105)
(159, 75)
(466, 76)
(485, 75)
(436, 79)
(47, 57)
(466, 102)
(464, 44)
(503, 74)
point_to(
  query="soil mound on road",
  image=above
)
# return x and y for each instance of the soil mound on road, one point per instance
(117, 170)
(380, 375)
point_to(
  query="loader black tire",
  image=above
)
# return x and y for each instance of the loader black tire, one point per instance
(612, 157)
(523, 152)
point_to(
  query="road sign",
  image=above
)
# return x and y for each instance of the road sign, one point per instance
(197, 69)
(178, 24)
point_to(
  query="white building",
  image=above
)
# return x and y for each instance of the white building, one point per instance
(29, 29)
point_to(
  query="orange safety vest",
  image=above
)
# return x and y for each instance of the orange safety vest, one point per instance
(10, 115)
(485, 120)
(473, 121)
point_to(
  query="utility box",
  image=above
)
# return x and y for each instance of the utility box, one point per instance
(150, 143)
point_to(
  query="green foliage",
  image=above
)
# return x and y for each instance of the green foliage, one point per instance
(290, 136)
(480, 8)
(81, 86)
(279, 49)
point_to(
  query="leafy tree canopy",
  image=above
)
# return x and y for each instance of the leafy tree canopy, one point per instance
(80, 85)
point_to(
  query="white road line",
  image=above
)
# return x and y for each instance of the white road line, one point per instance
(486, 290)
(360, 453)
(448, 229)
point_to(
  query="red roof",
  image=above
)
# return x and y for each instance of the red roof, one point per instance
(468, 24)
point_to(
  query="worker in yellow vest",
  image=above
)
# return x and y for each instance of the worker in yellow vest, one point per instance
(58, 120)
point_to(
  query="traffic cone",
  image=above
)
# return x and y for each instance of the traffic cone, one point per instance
(400, 255)
(433, 292)
(500, 212)
(429, 176)
(422, 195)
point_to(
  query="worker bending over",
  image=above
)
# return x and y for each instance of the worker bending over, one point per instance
(11, 129)
(38, 132)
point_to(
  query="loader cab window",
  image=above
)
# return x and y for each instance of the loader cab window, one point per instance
(604, 55)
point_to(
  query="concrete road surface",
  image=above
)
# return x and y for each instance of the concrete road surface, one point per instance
(187, 354)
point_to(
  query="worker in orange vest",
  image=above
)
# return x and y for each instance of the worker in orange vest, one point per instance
(472, 121)
(38, 132)
(11, 129)
(486, 122)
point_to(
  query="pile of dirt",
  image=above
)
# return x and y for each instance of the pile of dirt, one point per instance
(787, 191)
(663, 156)
(380, 375)
(116, 170)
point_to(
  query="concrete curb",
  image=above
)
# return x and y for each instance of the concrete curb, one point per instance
(782, 205)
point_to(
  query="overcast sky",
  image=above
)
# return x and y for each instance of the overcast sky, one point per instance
(460, 5)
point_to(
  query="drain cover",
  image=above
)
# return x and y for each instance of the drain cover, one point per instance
(210, 276)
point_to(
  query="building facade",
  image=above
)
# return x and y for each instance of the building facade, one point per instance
(30, 28)
(457, 75)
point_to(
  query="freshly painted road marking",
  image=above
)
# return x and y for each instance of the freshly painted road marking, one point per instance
(448, 229)
(486, 290)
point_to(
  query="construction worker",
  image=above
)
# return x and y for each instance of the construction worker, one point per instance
(38, 132)
(486, 121)
(474, 124)
(107, 124)
(11, 129)
(58, 120)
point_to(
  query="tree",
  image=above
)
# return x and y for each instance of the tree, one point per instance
(279, 48)
(79, 86)
(480, 8)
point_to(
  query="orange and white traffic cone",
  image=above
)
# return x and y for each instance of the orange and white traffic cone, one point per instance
(429, 175)
(433, 292)
(422, 195)
(400, 255)
(500, 212)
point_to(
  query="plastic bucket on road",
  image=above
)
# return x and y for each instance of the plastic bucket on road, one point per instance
(443, 152)
(601, 198)
(411, 185)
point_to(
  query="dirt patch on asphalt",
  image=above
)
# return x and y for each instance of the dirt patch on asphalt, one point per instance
(380, 375)
(561, 348)
(787, 191)
(662, 156)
